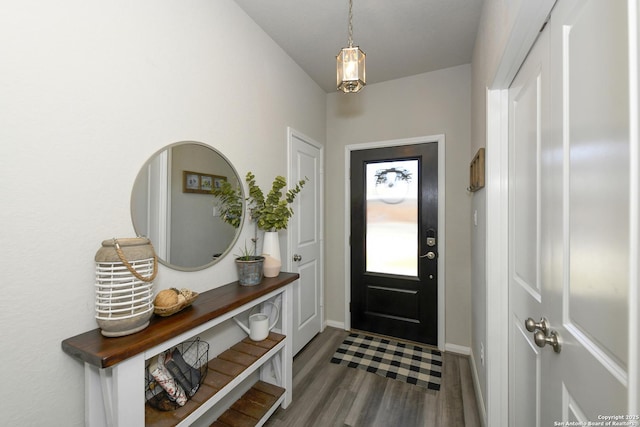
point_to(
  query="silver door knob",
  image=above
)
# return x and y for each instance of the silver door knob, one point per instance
(553, 340)
(297, 257)
(429, 255)
(532, 326)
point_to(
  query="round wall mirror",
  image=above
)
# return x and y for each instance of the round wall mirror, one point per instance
(172, 205)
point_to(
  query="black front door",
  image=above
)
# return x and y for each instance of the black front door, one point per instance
(394, 223)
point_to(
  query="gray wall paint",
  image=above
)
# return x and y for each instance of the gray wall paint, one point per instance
(426, 104)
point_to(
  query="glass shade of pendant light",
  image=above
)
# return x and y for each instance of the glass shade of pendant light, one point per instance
(350, 63)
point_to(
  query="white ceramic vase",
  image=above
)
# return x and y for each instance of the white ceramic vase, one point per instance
(271, 253)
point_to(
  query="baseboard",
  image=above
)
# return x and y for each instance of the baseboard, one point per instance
(334, 324)
(458, 349)
(478, 389)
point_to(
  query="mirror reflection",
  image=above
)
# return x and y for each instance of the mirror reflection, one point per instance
(172, 204)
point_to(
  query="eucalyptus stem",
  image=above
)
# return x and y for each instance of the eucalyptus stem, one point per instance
(255, 239)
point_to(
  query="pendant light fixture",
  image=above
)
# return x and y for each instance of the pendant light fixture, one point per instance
(350, 63)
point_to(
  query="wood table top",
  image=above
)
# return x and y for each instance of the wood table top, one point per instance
(94, 348)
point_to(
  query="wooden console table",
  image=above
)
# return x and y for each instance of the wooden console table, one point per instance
(115, 367)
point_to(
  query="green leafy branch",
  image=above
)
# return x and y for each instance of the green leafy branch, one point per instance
(230, 203)
(272, 212)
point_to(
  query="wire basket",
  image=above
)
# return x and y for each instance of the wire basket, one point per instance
(174, 376)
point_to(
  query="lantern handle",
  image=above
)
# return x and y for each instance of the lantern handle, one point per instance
(130, 267)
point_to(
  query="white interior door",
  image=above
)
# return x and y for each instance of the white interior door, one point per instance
(570, 239)
(305, 239)
(589, 271)
(528, 106)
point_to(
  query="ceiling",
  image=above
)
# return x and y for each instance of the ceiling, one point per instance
(400, 37)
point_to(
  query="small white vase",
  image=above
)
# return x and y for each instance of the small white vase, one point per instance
(271, 252)
(271, 244)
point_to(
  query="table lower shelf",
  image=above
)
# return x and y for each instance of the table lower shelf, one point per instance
(252, 407)
(224, 369)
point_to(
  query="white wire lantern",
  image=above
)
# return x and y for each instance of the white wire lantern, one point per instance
(125, 270)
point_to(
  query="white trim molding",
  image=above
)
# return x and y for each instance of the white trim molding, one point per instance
(457, 349)
(335, 324)
(497, 255)
(478, 389)
(634, 213)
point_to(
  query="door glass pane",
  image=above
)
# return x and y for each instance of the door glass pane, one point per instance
(392, 217)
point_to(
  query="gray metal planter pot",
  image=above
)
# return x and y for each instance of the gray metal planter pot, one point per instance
(250, 271)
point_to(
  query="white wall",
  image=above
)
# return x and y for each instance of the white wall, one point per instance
(89, 90)
(427, 104)
(496, 25)
(483, 64)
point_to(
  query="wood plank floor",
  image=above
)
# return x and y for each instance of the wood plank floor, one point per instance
(326, 394)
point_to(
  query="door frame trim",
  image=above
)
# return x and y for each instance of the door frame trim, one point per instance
(440, 140)
(497, 257)
(291, 133)
(634, 214)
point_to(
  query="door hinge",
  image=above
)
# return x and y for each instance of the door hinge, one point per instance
(349, 306)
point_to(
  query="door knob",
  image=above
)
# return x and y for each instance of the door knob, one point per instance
(297, 257)
(542, 326)
(429, 255)
(553, 340)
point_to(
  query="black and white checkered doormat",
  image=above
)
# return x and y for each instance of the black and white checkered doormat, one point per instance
(405, 362)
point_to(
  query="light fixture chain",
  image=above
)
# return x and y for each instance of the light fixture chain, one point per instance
(350, 23)
(350, 66)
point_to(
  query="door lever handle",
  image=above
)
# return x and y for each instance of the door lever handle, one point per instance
(542, 326)
(429, 255)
